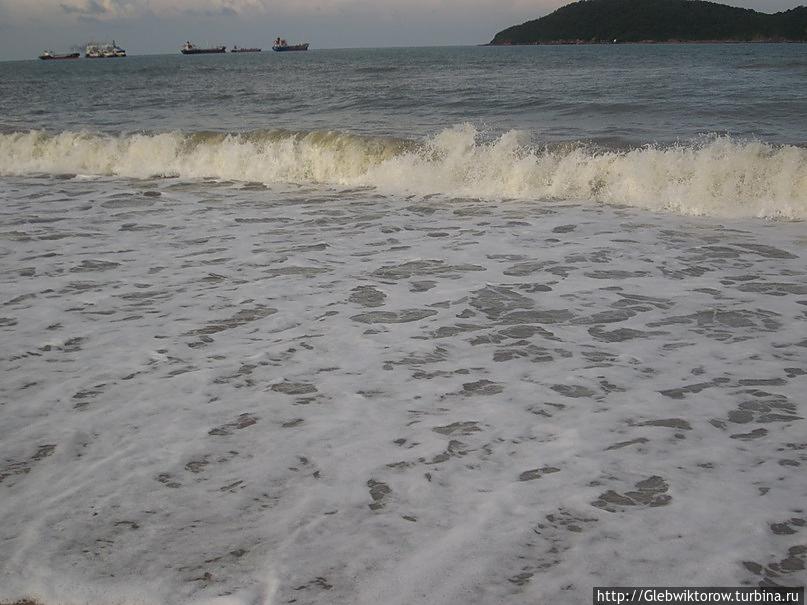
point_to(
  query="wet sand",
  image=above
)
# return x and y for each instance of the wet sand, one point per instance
(218, 389)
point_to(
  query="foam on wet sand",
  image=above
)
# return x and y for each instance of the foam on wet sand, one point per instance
(217, 391)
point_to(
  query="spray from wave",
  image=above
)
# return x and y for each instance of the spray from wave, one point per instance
(719, 177)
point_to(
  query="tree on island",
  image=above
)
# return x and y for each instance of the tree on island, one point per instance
(597, 21)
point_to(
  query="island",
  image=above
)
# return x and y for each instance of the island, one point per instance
(620, 21)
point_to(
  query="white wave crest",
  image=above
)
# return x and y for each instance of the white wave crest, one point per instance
(720, 177)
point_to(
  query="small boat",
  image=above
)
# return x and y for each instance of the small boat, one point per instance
(235, 49)
(49, 55)
(281, 45)
(190, 49)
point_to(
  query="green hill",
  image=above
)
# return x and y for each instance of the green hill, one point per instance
(593, 21)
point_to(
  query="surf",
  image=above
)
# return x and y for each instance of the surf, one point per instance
(714, 176)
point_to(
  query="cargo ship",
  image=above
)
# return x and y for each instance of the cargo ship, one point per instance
(49, 55)
(281, 45)
(235, 49)
(190, 49)
(104, 51)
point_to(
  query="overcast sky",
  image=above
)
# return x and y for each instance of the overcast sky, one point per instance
(28, 27)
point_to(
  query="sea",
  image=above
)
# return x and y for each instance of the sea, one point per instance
(444, 326)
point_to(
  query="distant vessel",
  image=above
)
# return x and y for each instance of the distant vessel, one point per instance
(104, 51)
(190, 49)
(281, 45)
(49, 55)
(235, 49)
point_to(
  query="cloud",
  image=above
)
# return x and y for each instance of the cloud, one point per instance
(63, 12)
(56, 10)
(91, 7)
(101, 9)
(224, 11)
(168, 8)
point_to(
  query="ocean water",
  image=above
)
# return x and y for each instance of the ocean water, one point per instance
(440, 326)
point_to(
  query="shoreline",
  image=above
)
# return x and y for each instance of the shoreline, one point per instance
(637, 42)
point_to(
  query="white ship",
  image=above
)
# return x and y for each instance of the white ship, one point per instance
(104, 51)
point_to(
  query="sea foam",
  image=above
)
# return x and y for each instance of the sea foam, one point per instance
(719, 176)
(229, 395)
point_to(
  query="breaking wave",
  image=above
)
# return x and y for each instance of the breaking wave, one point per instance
(719, 176)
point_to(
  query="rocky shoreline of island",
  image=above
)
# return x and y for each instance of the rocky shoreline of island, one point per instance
(580, 42)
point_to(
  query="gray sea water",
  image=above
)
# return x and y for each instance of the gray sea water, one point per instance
(620, 94)
(440, 325)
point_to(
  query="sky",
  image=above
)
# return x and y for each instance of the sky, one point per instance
(27, 27)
